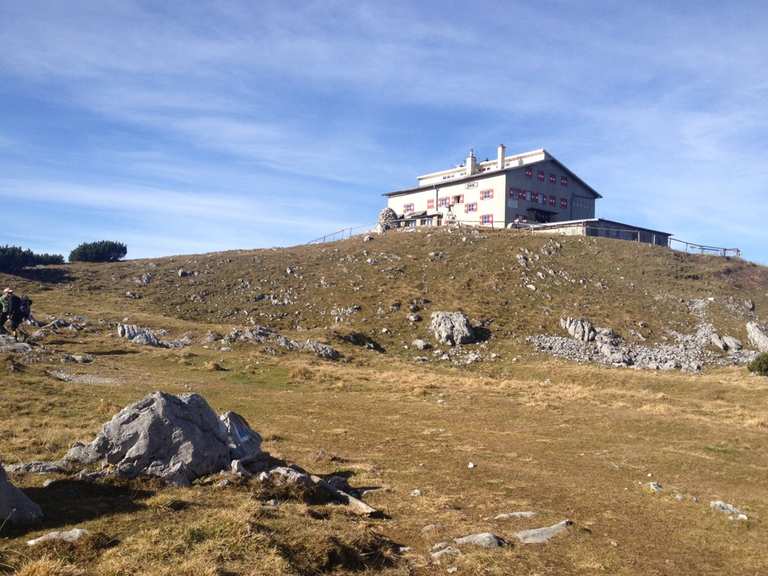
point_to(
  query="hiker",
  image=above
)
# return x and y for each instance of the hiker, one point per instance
(13, 310)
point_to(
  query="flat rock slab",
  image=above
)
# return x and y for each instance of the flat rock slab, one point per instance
(511, 515)
(15, 506)
(66, 536)
(542, 535)
(482, 539)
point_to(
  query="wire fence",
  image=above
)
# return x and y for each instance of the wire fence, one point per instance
(692, 248)
(342, 234)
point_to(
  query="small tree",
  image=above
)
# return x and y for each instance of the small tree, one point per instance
(102, 251)
(760, 364)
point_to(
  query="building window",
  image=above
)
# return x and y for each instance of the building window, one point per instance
(534, 197)
(522, 195)
(442, 202)
(486, 194)
(486, 219)
(471, 207)
(470, 185)
(529, 172)
(552, 179)
(513, 192)
(408, 208)
(563, 180)
(541, 176)
(563, 202)
(431, 204)
(459, 199)
(553, 201)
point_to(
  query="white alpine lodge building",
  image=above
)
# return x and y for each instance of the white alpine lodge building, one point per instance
(532, 190)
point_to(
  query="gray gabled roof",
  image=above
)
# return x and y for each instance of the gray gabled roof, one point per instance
(548, 157)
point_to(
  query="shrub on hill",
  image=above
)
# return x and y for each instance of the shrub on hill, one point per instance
(760, 364)
(14, 258)
(102, 251)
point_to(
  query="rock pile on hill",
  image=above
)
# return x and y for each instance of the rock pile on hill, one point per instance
(452, 328)
(689, 352)
(15, 506)
(176, 438)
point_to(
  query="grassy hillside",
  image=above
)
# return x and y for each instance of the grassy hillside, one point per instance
(563, 440)
(312, 288)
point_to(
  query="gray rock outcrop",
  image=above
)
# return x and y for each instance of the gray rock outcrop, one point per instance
(176, 438)
(147, 337)
(321, 350)
(579, 328)
(757, 336)
(138, 335)
(452, 328)
(15, 506)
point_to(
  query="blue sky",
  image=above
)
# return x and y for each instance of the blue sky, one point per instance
(182, 127)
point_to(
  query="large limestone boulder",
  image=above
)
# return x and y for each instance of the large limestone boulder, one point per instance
(578, 328)
(757, 336)
(15, 506)
(176, 438)
(452, 328)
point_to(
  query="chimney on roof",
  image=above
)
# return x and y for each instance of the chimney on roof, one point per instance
(471, 162)
(500, 153)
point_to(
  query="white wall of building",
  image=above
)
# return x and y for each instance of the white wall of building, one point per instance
(466, 202)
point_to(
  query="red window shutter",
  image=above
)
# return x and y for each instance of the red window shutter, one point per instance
(563, 202)
(430, 204)
(552, 179)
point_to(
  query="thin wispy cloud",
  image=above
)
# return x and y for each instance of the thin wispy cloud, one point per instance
(302, 115)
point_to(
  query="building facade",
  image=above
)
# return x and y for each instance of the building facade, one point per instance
(531, 188)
